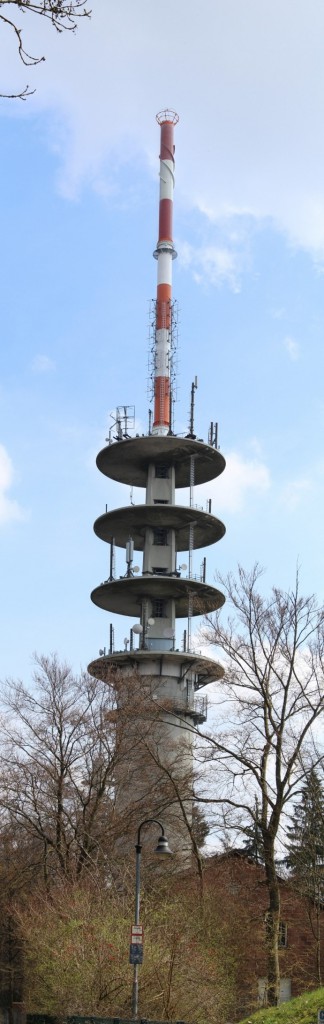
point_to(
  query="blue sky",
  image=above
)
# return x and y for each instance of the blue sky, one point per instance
(79, 213)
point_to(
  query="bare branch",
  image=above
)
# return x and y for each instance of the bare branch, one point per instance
(63, 15)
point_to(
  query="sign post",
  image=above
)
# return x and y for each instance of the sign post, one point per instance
(136, 944)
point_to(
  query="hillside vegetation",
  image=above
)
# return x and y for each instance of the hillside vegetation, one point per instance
(302, 1010)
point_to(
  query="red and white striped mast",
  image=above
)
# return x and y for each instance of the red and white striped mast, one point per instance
(164, 254)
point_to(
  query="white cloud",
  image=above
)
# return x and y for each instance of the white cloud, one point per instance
(292, 347)
(295, 492)
(256, 447)
(9, 509)
(247, 81)
(211, 263)
(241, 477)
(42, 364)
(278, 313)
(304, 492)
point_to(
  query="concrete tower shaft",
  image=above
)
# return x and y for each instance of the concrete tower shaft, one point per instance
(158, 676)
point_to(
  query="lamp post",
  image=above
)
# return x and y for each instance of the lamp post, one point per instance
(136, 951)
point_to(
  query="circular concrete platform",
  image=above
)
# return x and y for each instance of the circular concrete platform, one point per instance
(126, 595)
(134, 520)
(208, 671)
(127, 461)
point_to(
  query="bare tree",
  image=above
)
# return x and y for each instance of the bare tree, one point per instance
(63, 15)
(57, 773)
(267, 708)
(83, 760)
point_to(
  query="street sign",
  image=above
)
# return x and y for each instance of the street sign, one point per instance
(137, 933)
(136, 953)
(320, 1016)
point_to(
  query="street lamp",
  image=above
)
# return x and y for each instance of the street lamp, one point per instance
(136, 949)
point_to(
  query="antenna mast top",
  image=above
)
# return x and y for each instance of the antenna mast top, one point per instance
(164, 254)
(167, 115)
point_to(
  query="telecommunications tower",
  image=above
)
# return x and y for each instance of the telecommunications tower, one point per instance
(159, 675)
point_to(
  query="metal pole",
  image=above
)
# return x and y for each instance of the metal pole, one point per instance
(112, 559)
(138, 849)
(162, 847)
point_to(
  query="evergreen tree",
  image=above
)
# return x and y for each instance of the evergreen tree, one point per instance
(200, 826)
(253, 843)
(306, 853)
(306, 836)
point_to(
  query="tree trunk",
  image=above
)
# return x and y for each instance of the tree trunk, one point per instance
(318, 940)
(272, 932)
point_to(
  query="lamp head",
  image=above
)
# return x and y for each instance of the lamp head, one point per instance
(163, 845)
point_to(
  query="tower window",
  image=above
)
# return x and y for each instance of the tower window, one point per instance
(159, 570)
(158, 609)
(282, 935)
(162, 471)
(160, 501)
(160, 537)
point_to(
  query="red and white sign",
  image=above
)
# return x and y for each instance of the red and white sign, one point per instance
(137, 934)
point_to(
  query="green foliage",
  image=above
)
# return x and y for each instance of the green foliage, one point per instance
(76, 944)
(306, 854)
(302, 1010)
(253, 844)
(189, 969)
(306, 836)
(200, 826)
